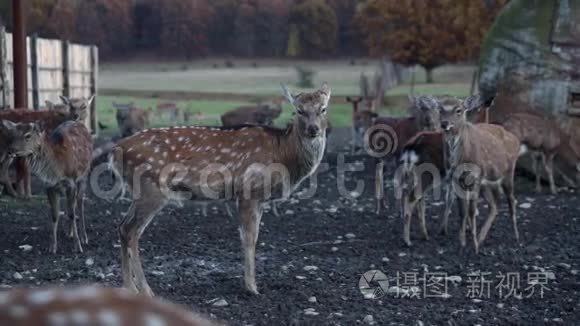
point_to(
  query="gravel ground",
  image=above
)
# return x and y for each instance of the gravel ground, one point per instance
(311, 259)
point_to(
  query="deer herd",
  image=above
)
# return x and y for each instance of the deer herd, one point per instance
(444, 145)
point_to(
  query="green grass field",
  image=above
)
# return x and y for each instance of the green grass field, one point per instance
(255, 78)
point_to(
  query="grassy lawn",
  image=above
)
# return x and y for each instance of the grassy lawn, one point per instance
(260, 78)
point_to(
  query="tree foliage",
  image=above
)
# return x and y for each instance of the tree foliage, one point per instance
(426, 32)
(317, 27)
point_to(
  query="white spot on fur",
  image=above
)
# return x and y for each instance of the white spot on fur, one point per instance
(57, 319)
(153, 320)
(18, 311)
(41, 297)
(225, 150)
(80, 317)
(109, 318)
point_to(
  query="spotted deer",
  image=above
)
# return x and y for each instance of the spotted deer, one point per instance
(72, 109)
(91, 305)
(481, 158)
(263, 114)
(544, 138)
(248, 164)
(130, 119)
(61, 158)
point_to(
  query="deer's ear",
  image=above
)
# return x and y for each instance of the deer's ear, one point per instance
(287, 94)
(7, 125)
(64, 99)
(49, 105)
(472, 102)
(90, 100)
(325, 89)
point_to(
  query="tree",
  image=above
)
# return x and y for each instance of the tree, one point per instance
(316, 25)
(184, 27)
(428, 33)
(349, 38)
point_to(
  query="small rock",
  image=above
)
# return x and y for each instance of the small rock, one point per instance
(157, 273)
(550, 275)
(525, 205)
(476, 300)
(311, 312)
(420, 323)
(354, 194)
(25, 247)
(89, 262)
(500, 305)
(574, 272)
(385, 260)
(310, 268)
(220, 303)
(312, 299)
(336, 314)
(334, 249)
(564, 265)
(101, 276)
(402, 254)
(300, 277)
(369, 319)
(473, 311)
(350, 236)
(17, 276)
(289, 212)
(558, 320)
(332, 210)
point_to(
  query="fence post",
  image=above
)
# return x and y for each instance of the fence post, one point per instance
(3, 67)
(34, 70)
(94, 80)
(65, 69)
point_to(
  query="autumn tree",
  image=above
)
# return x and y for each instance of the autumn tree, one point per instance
(349, 38)
(315, 27)
(428, 33)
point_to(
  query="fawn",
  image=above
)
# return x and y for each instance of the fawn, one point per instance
(248, 164)
(91, 305)
(255, 115)
(76, 109)
(480, 157)
(544, 138)
(61, 158)
(130, 119)
(169, 109)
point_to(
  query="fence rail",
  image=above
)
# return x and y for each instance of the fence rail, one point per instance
(55, 67)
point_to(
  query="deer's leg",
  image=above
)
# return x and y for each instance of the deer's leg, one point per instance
(491, 196)
(508, 189)
(6, 180)
(71, 200)
(549, 166)
(354, 141)
(472, 208)
(536, 167)
(421, 205)
(144, 210)
(463, 212)
(408, 216)
(250, 215)
(275, 208)
(379, 187)
(81, 191)
(229, 209)
(53, 194)
(204, 205)
(449, 199)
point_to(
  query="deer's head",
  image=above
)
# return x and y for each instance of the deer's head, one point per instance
(23, 138)
(426, 111)
(311, 111)
(78, 107)
(453, 117)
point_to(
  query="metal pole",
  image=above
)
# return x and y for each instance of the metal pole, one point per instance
(19, 54)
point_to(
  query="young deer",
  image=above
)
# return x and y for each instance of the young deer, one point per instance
(363, 114)
(544, 138)
(263, 115)
(248, 164)
(61, 158)
(130, 119)
(169, 109)
(90, 305)
(480, 157)
(76, 110)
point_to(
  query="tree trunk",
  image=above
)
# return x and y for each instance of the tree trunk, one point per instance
(413, 69)
(429, 71)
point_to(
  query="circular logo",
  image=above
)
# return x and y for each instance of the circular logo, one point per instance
(373, 284)
(380, 140)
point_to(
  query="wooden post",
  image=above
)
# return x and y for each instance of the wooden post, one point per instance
(19, 55)
(474, 81)
(4, 89)
(94, 79)
(65, 69)
(34, 71)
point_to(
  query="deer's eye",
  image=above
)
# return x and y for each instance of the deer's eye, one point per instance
(323, 111)
(27, 136)
(458, 111)
(300, 111)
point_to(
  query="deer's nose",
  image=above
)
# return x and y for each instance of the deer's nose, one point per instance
(313, 131)
(444, 125)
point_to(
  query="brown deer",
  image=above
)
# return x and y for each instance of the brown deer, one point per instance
(397, 131)
(544, 138)
(170, 110)
(47, 120)
(263, 114)
(248, 164)
(130, 119)
(91, 305)
(61, 158)
(363, 114)
(481, 157)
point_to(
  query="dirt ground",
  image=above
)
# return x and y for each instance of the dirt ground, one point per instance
(310, 259)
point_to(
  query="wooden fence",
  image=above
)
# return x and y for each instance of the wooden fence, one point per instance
(55, 68)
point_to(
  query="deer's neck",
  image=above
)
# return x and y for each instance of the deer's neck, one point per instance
(43, 163)
(301, 155)
(455, 143)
